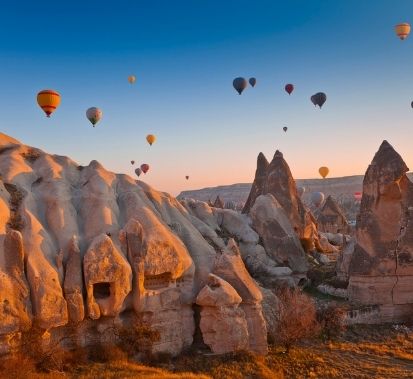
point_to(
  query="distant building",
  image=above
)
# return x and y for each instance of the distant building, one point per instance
(331, 218)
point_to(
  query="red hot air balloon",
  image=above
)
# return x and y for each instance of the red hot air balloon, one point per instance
(289, 88)
(144, 168)
(358, 196)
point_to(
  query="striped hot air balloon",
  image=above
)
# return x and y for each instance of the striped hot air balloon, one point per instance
(48, 100)
(402, 30)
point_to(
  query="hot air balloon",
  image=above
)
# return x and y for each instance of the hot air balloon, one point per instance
(186, 177)
(144, 168)
(317, 198)
(300, 191)
(358, 196)
(131, 79)
(48, 100)
(289, 88)
(240, 84)
(132, 162)
(319, 99)
(151, 139)
(252, 82)
(402, 30)
(411, 104)
(285, 128)
(138, 171)
(323, 171)
(94, 115)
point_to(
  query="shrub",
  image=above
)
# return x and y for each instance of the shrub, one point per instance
(332, 320)
(31, 155)
(297, 318)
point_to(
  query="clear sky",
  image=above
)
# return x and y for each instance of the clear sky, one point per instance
(185, 55)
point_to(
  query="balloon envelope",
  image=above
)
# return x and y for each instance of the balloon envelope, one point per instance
(252, 81)
(138, 171)
(285, 128)
(402, 30)
(131, 79)
(358, 196)
(240, 84)
(94, 115)
(151, 139)
(48, 100)
(132, 162)
(186, 177)
(323, 171)
(289, 88)
(319, 99)
(317, 198)
(144, 168)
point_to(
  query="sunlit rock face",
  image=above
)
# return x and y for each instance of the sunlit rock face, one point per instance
(381, 267)
(82, 248)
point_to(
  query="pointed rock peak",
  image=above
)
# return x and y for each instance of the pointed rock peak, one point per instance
(218, 203)
(261, 159)
(232, 247)
(331, 204)
(262, 165)
(278, 154)
(387, 157)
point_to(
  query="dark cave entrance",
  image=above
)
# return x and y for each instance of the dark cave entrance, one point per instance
(101, 290)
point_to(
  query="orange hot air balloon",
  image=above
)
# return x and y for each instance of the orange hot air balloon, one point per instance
(151, 139)
(48, 100)
(323, 171)
(402, 30)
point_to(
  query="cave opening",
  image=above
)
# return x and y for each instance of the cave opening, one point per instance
(101, 290)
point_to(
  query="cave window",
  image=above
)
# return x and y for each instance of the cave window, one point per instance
(101, 290)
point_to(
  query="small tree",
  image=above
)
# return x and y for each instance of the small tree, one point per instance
(297, 318)
(332, 320)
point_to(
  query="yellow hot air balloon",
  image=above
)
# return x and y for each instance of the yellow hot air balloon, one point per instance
(48, 100)
(131, 79)
(402, 30)
(323, 171)
(151, 139)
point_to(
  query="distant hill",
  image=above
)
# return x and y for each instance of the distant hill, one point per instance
(340, 188)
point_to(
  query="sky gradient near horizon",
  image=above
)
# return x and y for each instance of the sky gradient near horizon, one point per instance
(185, 55)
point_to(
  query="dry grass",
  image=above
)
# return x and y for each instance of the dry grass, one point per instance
(362, 352)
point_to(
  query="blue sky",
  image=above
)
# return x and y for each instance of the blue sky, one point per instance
(185, 55)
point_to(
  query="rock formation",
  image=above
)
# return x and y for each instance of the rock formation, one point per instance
(381, 267)
(276, 179)
(331, 218)
(218, 203)
(82, 248)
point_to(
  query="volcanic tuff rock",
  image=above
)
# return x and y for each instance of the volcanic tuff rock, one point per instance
(85, 247)
(276, 179)
(331, 218)
(381, 267)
